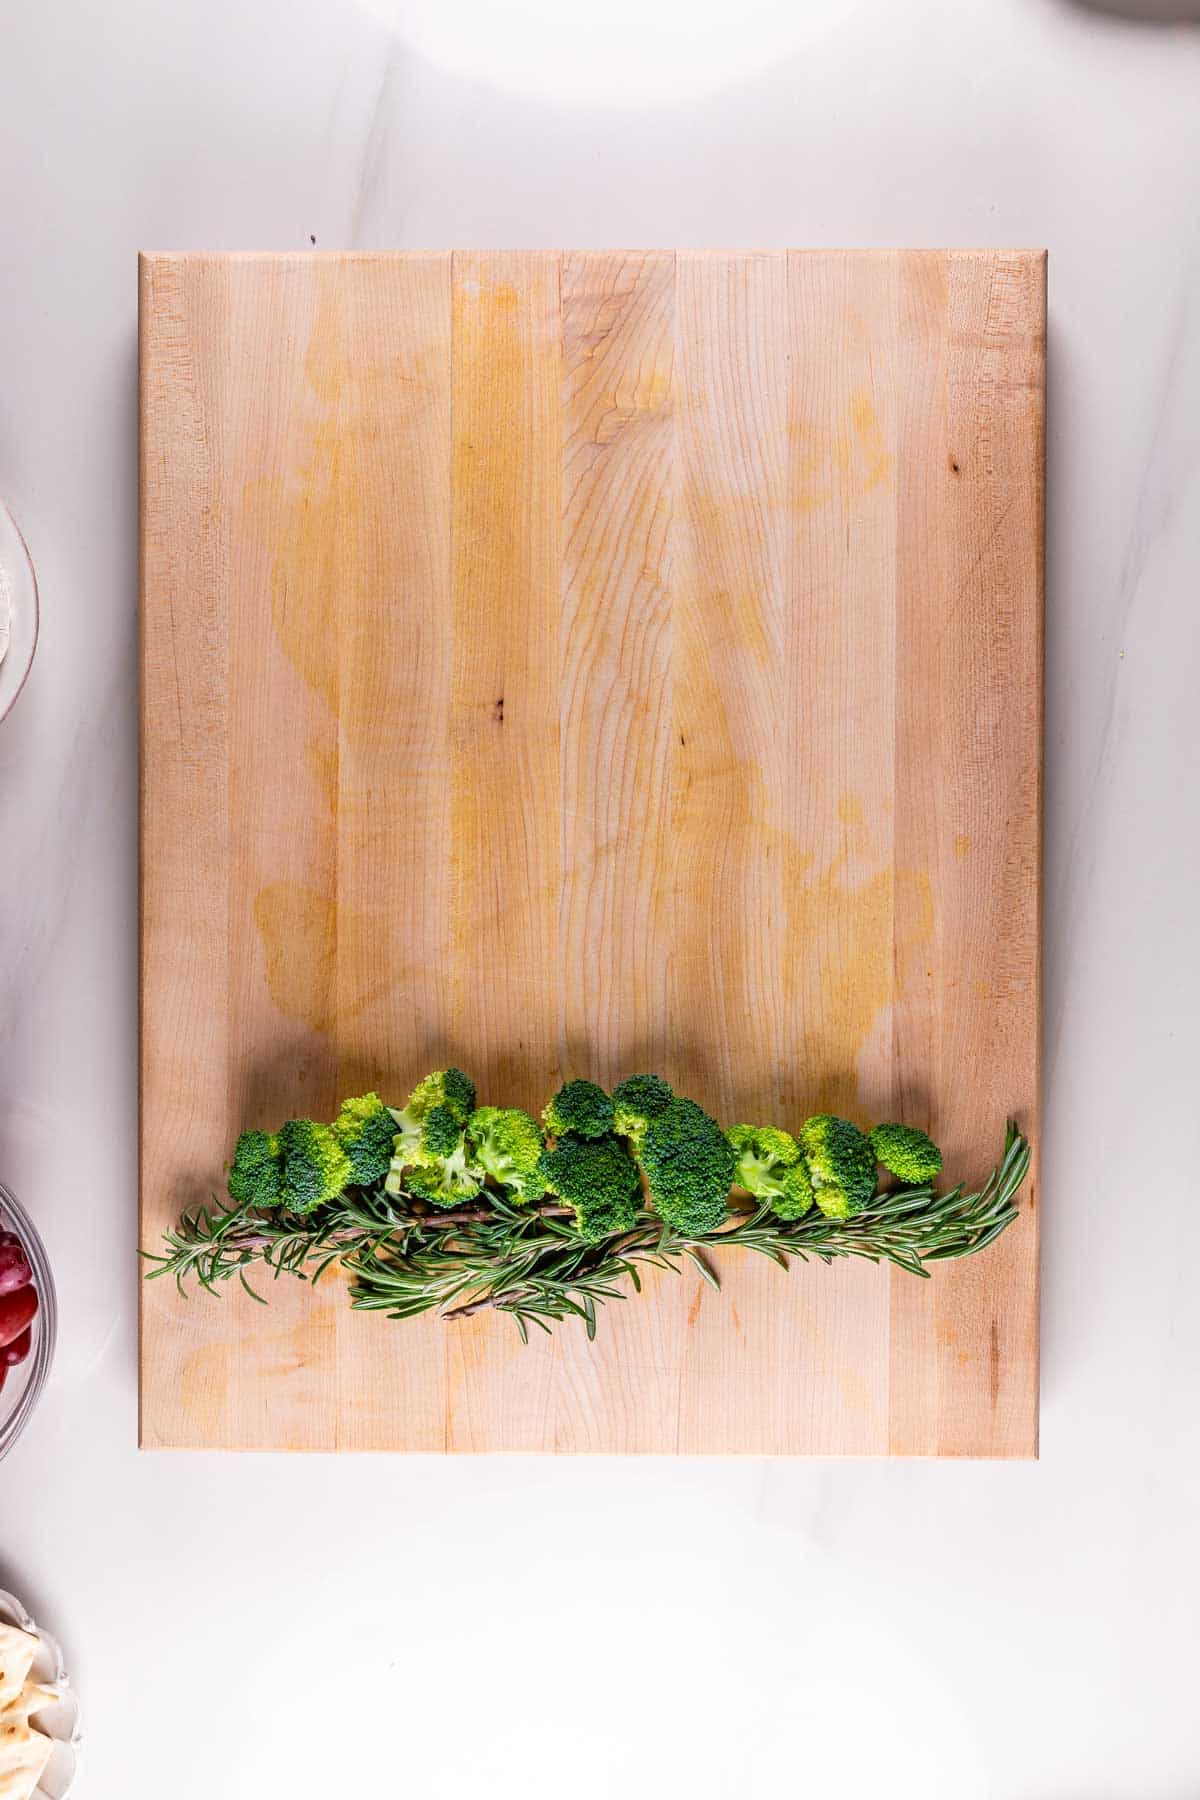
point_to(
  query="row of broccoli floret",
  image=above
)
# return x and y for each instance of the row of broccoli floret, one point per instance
(590, 1151)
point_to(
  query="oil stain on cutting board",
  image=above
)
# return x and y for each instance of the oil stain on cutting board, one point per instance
(596, 661)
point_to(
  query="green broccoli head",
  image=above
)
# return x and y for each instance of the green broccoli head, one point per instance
(689, 1165)
(442, 1170)
(795, 1194)
(581, 1108)
(841, 1164)
(441, 1135)
(764, 1156)
(598, 1179)
(907, 1152)
(316, 1169)
(256, 1174)
(508, 1147)
(445, 1087)
(366, 1131)
(449, 1087)
(636, 1101)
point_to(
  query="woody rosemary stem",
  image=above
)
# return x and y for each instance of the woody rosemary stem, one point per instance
(427, 1221)
(468, 1215)
(485, 1302)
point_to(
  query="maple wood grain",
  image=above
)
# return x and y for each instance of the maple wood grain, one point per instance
(564, 664)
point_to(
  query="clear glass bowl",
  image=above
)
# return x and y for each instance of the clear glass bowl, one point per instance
(21, 1391)
(18, 610)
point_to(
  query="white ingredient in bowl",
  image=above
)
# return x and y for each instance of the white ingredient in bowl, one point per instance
(60, 1721)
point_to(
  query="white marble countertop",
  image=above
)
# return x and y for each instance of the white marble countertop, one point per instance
(258, 1626)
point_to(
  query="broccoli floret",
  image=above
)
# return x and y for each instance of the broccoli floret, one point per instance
(508, 1146)
(445, 1087)
(636, 1101)
(689, 1165)
(441, 1135)
(315, 1167)
(764, 1156)
(582, 1108)
(771, 1167)
(907, 1152)
(598, 1179)
(457, 1092)
(366, 1131)
(442, 1170)
(256, 1174)
(796, 1193)
(841, 1164)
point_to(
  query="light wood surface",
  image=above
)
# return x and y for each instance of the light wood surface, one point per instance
(572, 664)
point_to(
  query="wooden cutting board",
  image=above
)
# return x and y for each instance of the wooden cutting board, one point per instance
(572, 664)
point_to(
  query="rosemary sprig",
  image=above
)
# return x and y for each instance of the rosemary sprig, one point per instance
(530, 1262)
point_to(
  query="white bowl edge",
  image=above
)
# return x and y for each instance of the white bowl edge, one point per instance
(61, 1721)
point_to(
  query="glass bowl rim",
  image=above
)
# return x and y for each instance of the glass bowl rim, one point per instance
(7, 704)
(42, 1354)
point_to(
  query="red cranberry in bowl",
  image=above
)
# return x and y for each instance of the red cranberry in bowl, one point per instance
(15, 1271)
